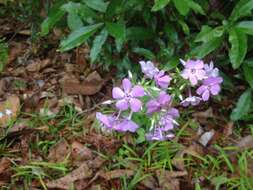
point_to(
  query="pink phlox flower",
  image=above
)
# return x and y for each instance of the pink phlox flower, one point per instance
(111, 122)
(210, 86)
(211, 71)
(193, 71)
(128, 96)
(157, 104)
(162, 80)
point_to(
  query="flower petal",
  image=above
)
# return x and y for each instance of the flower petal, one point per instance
(152, 106)
(135, 104)
(163, 98)
(122, 105)
(215, 89)
(193, 80)
(137, 91)
(206, 95)
(117, 93)
(127, 125)
(127, 85)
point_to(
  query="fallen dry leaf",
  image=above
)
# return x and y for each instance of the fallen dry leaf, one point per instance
(2, 87)
(193, 150)
(206, 137)
(59, 152)
(245, 143)
(90, 86)
(9, 109)
(114, 174)
(80, 153)
(15, 51)
(4, 164)
(168, 180)
(38, 65)
(149, 182)
(82, 172)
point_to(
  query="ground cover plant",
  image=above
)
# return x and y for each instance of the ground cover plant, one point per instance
(126, 94)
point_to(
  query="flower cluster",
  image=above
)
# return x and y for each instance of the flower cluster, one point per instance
(197, 72)
(159, 106)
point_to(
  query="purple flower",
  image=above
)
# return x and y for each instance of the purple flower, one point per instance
(128, 96)
(194, 71)
(107, 121)
(191, 100)
(167, 121)
(162, 79)
(148, 69)
(210, 85)
(126, 125)
(157, 104)
(210, 70)
(159, 135)
(112, 123)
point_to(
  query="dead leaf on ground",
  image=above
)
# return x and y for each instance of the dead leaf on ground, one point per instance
(245, 143)
(59, 152)
(149, 182)
(15, 50)
(228, 129)
(4, 164)
(9, 109)
(206, 137)
(82, 172)
(114, 174)
(80, 153)
(168, 180)
(194, 150)
(90, 86)
(38, 65)
(2, 87)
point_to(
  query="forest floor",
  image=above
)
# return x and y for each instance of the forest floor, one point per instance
(49, 138)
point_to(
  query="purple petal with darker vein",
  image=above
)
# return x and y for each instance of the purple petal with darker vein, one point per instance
(135, 104)
(137, 91)
(127, 85)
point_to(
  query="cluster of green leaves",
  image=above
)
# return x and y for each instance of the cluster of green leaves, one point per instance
(117, 29)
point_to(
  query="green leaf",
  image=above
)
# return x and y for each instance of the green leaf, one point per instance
(144, 52)
(139, 33)
(184, 27)
(50, 21)
(98, 5)
(242, 8)
(207, 34)
(246, 27)
(196, 7)
(248, 73)
(182, 6)
(206, 48)
(238, 41)
(78, 37)
(97, 44)
(117, 30)
(3, 54)
(115, 8)
(242, 106)
(159, 4)
(74, 21)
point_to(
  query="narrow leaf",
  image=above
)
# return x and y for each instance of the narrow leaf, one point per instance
(182, 6)
(117, 30)
(195, 7)
(98, 5)
(78, 37)
(248, 73)
(208, 35)
(238, 41)
(242, 8)
(144, 52)
(97, 45)
(246, 27)
(206, 48)
(50, 21)
(159, 4)
(242, 107)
